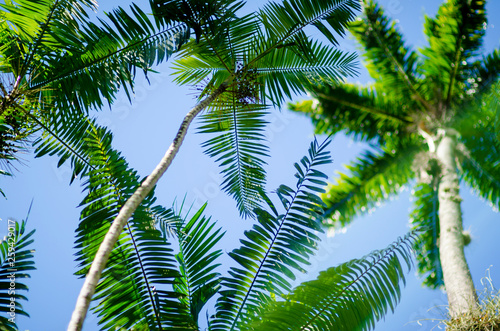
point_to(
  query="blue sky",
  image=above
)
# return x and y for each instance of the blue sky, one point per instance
(143, 130)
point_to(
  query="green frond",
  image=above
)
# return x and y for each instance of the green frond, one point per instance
(200, 16)
(283, 22)
(64, 133)
(484, 73)
(102, 58)
(284, 72)
(238, 146)
(389, 61)
(198, 280)
(356, 110)
(479, 150)
(16, 261)
(425, 216)
(275, 246)
(455, 37)
(351, 296)
(135, 287)
(372, 179)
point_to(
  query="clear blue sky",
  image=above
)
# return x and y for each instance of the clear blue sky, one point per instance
(144, 129)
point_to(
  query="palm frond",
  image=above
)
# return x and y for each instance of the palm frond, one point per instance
(284, 22)
(238, 147)
(102, 58)
(389, 61)
(351, 296)
(135, 287)
(64, 133)
(284, 72)
(372, 179)
(198, 280)
(275, 246)
(455, 37)
(484, 73)
(425, 216)
(479, 150)
(16, 261)
(356, 110)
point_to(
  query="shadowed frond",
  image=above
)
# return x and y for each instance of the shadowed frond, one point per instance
(275, 246)
(198, 280)
(239, 147)
(351, 296)
(356, 110)
(103, 58)
(372, 179)
(389, 61)
(135, 287)
(455, 36)
(425, 216)
(16, 261)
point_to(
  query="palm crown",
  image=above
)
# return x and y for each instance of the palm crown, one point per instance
(424, 111)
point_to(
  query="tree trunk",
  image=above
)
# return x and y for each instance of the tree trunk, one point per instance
(102, 255)
(457, 279)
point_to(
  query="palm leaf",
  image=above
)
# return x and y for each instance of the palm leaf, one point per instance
(479, 150)
(238, 147)
(372, 179)
(198, 280)
(389, 61)
(351, 296)
(274, 247)
(103, 58)
(135, 288)
(284, 72)
(425, 216)
(284, 22)
(484, 73)
(64, 134)
(356, 110)
(16, 260)
(455, 37)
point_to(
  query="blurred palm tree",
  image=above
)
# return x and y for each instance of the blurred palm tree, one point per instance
(427, 116)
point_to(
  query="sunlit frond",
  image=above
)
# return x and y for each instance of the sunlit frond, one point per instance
(275, 247)
(351, 296)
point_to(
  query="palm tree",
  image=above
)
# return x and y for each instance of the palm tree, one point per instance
(148, 285)
(425, 120)
(242, 65)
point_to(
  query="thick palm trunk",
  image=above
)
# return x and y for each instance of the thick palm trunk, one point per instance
(109, 241)
(457, 279)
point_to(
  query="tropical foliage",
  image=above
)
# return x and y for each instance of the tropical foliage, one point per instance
(162, 279)
(424, 111)
(58, 67)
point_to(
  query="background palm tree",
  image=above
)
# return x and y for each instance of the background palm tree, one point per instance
(423, 115)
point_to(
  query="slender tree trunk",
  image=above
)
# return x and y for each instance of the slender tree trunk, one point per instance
(102, 255)
(457, 279)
